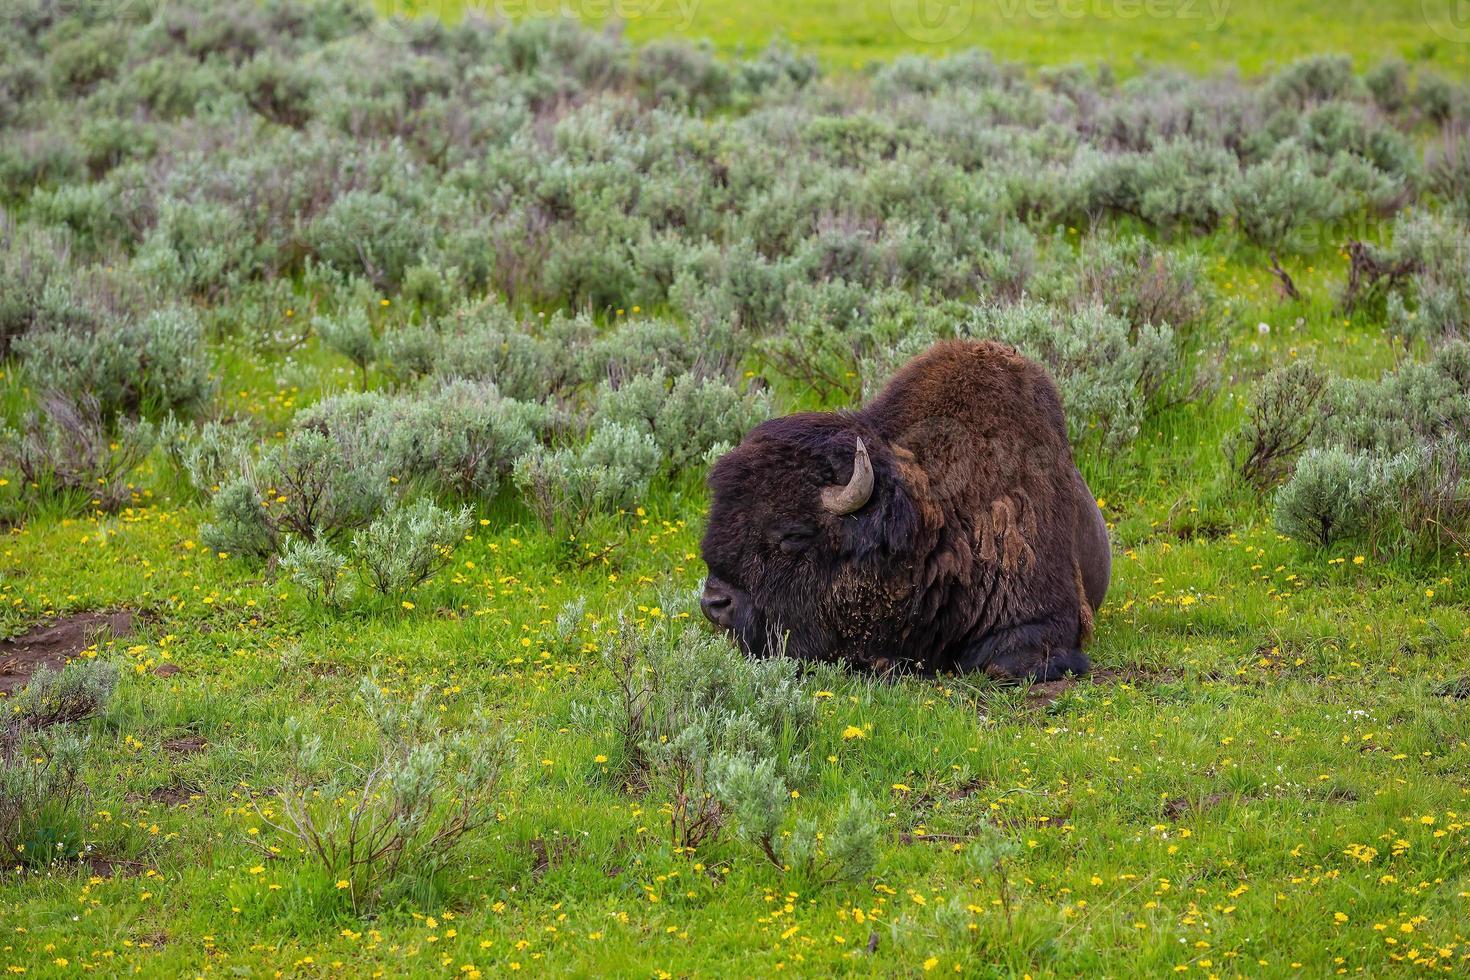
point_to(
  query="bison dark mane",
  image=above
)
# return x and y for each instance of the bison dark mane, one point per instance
(943, 527)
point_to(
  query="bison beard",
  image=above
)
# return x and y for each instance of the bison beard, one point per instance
(942, 527)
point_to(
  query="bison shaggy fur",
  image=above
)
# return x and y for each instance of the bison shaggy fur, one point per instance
(943, 527)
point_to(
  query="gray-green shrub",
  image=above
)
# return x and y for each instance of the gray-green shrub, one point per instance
(369, 234)
(153, 365)
(1388, 83)
(1390, 464)
(1430, 297)
(1280, 421)
(726, 738)
(487, 343)
(210, 455)
(41, 760)
(845, 344)
(458, 438)
(687, 417)
(564, 487)
(1107, 370)
(408, 352)
(31, 259)
(320, 492)
(67, 451)
(1276, 200)
(423, 790)
(320, 570)
(464, 438)
(1332, 495)
(306, 486)
(1314, 79)
(1418, 404)
(1414, 498)
(407, 544)
(350, 333)
(1136, 279)
(759, 802)
(1447, 170)
(641, 346)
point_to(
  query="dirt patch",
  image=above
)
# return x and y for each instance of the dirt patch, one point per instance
(1203, 530)
(935, 795)
(1135, 676)
(172, 796)
(967, 789)
(1179, 806)
(1046, 694)
(550, 854)
(1459, 689)
(102, 866)
(186, 745)
(906, 837)
(53, 644)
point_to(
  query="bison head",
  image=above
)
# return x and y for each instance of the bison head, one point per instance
(808, 530)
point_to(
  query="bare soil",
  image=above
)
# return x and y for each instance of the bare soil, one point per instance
(1046, 694)
(173, 795)
(53, 644)
(185, 745)
(102, 866)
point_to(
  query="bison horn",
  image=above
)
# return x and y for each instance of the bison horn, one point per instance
(845, 500)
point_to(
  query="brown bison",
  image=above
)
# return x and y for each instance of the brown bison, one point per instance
(944, 527)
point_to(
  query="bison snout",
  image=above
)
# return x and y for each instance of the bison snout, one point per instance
(718, 605)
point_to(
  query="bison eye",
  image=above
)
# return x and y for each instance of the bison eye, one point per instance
(793, 541)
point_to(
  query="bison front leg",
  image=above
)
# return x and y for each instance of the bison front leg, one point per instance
(1038, 651)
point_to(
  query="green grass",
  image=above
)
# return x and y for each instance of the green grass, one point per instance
(1271, 777)
(1250, 36)
(1269, 780)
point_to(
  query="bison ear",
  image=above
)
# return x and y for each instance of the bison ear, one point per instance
(897, 517)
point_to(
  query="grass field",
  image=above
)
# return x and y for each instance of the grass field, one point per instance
(1268, 774)
(1249, 36)
(1267, 778)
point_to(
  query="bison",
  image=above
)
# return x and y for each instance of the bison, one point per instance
(943, 527)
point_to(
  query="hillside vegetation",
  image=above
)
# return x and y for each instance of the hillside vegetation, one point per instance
(361, 376)
(1250, 36)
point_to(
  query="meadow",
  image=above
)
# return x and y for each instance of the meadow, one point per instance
(1128, 36)
(360, 379)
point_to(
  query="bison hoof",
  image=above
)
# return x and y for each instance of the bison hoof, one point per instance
(1028, 667)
